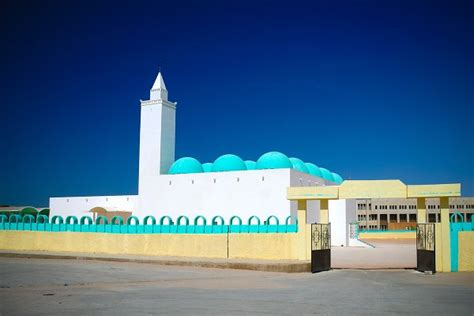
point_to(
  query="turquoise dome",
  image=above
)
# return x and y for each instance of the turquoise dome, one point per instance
(313, 170)
(299, 165)
(229, 162)
(337, 178)
(250, 164)
(185, 165)
(207, 167)
(327, 175)
(273, 160)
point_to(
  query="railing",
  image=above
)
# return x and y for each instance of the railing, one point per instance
(149, 225)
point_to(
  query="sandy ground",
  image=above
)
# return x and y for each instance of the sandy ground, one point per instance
(69, 287)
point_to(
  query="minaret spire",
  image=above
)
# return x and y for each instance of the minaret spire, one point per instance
(158, 91)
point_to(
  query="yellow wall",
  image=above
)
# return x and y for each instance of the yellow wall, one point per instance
(289, 246)
(211, 246)
(466, 251)
(264, 246)
(370, 189)
(388, 235)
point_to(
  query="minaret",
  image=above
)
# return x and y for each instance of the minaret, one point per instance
(157, 133)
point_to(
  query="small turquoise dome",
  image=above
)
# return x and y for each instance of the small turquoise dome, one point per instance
(229, 162)
(299, 165)
(207, 167)
(327, 174)
(313, 170)
(273, 160)
(250, 164)
(337, 178)
(185, 165)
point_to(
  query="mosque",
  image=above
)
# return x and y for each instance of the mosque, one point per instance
(228, 186)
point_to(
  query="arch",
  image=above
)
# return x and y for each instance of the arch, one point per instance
(153, 220)
(215, 218)
(3, 219)
(30, 218)
(458, 215)
(87, 219)
(57, 220)
(42, 219)
(289, 218)
(115, 219)
(178, 220)
(135, 219)
(269, 219)
(170, 220)
(15, 217)
(104, 220)
(73, 219)
(249, 222)
(196, 219)
(231, 221)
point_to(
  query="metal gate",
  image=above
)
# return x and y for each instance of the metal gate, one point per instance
(425, 247)
(320, 247)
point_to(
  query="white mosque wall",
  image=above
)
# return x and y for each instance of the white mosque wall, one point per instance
(242, 193)
(341, 214)
(81, 205)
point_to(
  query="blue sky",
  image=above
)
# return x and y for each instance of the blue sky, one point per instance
(367, 89)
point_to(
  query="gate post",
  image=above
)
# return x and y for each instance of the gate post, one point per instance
(445, 235)
(324, 211)
(304, 233)
(421, 210)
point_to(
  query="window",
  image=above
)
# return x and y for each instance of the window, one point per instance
(373, 217)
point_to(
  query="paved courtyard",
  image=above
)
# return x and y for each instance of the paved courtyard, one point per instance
(387, 253)
(63, 287)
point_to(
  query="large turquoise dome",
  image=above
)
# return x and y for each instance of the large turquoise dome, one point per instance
(299, 165)
(313, 170)
(337, 178)
(327, 174)
(229, 162)
(207, 167)
(250, 164)
(273, 160)
(185, 165)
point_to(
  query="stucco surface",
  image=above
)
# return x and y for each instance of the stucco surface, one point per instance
(466, 251)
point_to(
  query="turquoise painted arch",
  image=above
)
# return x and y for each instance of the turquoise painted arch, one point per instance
(57, 220)
(28, 219)
(217, 217)
(85, 219)
(202, 218)
(134, 219)
(169, 219)
(249, 222)
(147, 218)
(179, 220)
(235, 217)
(101, 220)
(116, 220)
(72, 219)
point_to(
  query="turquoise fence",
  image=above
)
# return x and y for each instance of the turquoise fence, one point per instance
(455, 228)
(149, 225)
